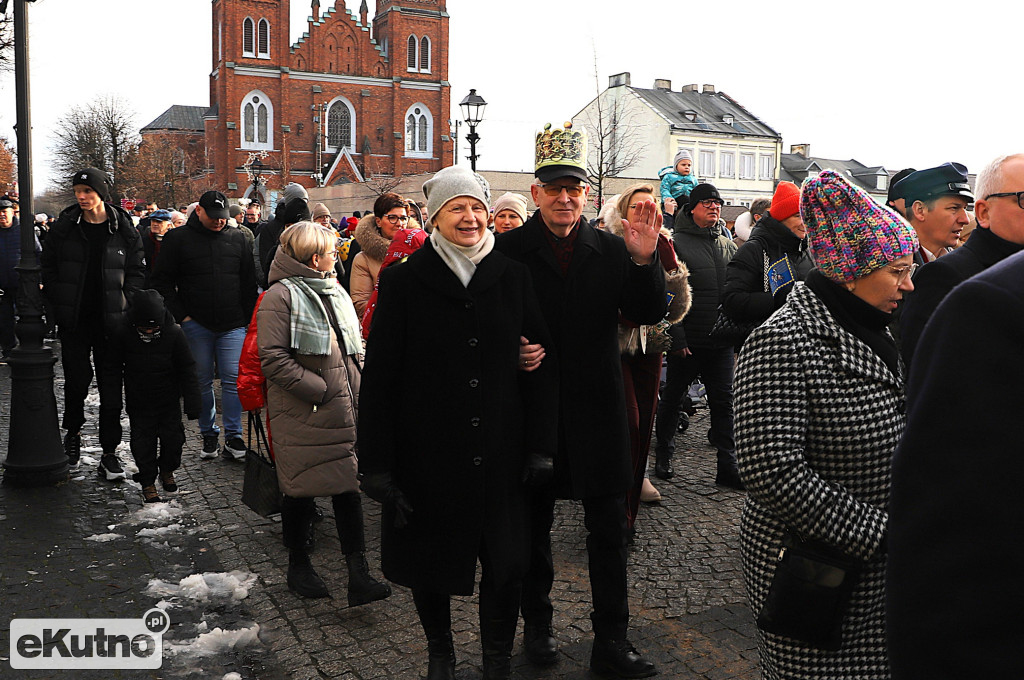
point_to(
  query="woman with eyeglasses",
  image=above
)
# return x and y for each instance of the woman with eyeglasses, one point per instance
(820, 406)
(373, 234)
(454, 477)
(309, 350)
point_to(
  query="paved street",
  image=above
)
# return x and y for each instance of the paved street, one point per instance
(88, 548)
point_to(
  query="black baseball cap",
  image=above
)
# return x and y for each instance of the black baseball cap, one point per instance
(215, 204)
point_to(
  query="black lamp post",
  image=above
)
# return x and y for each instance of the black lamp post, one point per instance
(473, 112)
(256, 168)
(35, 455)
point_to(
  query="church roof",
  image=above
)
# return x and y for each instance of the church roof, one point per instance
(179, 118)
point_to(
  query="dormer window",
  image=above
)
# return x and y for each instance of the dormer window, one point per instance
(690, 115)
(728, 119)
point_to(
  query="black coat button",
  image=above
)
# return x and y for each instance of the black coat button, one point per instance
(478, 461)
(475, 422)
(474, 382)
(469, 305)
(473, 342)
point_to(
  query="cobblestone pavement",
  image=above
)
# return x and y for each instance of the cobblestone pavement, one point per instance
(689, 612)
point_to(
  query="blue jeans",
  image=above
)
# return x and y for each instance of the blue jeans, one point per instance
(224, 347)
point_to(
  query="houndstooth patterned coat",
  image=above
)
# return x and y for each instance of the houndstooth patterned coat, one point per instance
(818, 416)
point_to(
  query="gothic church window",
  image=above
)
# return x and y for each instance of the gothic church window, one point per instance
(340, 125)
(425, 55)
(411, 58)
(264, 39)
(419, 132)
(248, 38)
(257, 121)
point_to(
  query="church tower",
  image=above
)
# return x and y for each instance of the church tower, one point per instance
(348, 100)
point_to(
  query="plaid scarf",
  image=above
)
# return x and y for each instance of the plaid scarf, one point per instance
(310, 322)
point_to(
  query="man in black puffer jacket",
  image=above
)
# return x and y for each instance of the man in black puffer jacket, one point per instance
(91, 263)
(699, 243)
(207, 276)
(762, 273)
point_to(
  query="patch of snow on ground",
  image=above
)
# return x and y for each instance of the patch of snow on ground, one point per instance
(231, 676)
(205, 587)
(159, 531)
(103, 538)
(157, 513)
(216, 641)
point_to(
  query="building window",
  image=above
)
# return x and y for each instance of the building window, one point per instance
(340, 125)
(220, 42)
(384, 48)
(248, 38)
(767, 167)
(419, 132)
(707, 163)
(264, 39)
(411, 63)
(746, 166)
(257, 121)
(880, 183)
(425, 55)
(727, 164)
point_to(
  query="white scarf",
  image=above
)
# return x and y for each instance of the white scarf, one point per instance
(462, 260)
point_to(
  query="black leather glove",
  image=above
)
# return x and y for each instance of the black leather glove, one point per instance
(538, 470)
(381, 487)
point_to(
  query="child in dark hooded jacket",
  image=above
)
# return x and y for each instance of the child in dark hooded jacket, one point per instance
(151, 352)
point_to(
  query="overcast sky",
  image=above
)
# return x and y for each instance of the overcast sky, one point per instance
(895, 83)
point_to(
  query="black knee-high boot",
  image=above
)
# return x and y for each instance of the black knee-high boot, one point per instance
(435, 614)
(499, 613)
(348, 515)
(296, 515)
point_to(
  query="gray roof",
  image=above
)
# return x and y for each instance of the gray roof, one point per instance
(179, 118)
(796, 167)
(710, 107)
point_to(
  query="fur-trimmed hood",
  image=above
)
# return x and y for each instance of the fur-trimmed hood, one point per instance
(371, 241)
(676, 285)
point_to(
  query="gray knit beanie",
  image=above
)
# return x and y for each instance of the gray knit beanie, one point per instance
(453, 182)
(294, 190)
(681, 156)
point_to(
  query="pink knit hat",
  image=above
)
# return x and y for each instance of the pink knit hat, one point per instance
(849, 235)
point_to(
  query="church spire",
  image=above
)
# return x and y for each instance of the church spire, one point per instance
(316, 10)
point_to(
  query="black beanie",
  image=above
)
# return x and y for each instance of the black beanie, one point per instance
(296, 210)
(703, 192)
(146, 309)
(94, 178)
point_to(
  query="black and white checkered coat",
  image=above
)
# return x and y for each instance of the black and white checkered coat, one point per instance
(818, 416)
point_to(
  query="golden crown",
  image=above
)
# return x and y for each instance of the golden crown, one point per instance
(561, 146)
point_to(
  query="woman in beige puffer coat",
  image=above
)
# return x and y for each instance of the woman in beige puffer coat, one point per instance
(374, 233)
(309, 342)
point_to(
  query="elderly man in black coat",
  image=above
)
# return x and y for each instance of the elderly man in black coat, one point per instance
(584, 278)
(954, 597)
(1000, 233)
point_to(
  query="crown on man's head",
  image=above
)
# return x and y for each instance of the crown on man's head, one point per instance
(561, 147)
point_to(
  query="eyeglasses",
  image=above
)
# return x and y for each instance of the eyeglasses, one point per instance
(1018, 194)
(396, 219)
(903, 272)
(711, 202)
(573, 190)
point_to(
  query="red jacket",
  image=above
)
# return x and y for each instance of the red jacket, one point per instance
(252, 391)
(403, 244)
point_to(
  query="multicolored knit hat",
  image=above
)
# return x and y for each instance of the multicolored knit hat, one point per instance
(849, 235)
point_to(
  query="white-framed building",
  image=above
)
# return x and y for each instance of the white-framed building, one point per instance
(731, 148)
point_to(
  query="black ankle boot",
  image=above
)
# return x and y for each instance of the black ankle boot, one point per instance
(441, 657)
(728, 474)
(363, 588)
(619, 659)
(539, 644)
(663, 465)
(497, 635)
(302, 578)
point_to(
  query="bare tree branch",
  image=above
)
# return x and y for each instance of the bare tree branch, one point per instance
(102, 134)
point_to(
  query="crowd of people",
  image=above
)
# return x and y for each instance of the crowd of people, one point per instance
(801, 327)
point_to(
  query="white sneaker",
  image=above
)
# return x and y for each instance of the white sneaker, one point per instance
(210, 447)
(234, 448)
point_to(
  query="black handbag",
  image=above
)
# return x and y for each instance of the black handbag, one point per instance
(810, 592)
(260, 491)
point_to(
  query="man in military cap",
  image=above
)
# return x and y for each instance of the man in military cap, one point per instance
(584, 278)
(937, 200)
(1000, 233)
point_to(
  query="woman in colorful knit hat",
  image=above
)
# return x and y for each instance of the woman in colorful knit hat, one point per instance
(819, 411)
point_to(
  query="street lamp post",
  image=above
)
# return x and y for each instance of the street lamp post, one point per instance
(35, 455)
(473, 112)
(453, 131)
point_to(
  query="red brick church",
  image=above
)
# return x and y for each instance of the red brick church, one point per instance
(354, 97)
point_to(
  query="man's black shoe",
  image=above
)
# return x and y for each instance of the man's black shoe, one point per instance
(539, 645)
(619, 659)
(73, 449)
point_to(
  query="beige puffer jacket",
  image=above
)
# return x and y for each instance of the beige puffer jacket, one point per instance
(311, 399)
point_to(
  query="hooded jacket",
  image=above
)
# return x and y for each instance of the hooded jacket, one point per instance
(65, 263)
(207, 275)
(744, 298)
(367, 262)
(705, 252)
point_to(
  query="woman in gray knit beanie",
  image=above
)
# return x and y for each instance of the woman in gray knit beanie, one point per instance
(445, 336)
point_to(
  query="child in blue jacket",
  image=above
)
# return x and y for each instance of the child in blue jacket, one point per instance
(676, 181)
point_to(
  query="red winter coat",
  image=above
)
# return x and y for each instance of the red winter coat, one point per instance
(252, 388)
